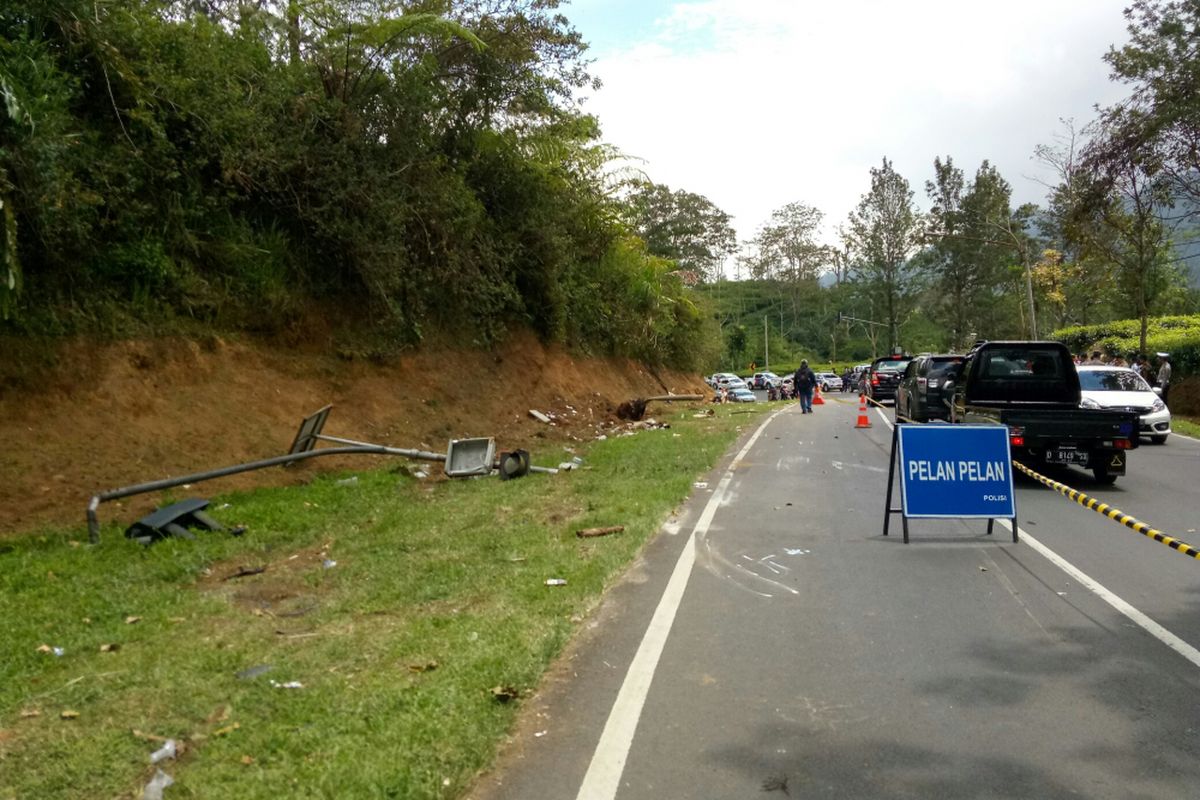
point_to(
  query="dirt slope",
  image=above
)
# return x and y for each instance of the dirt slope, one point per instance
(112, 415)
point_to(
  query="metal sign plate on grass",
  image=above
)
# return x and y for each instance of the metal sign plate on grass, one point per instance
(956, 471)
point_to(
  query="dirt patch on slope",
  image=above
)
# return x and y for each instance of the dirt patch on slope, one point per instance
(108, 415)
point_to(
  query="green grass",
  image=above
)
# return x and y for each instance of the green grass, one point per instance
(437, 597)
(1185, 425)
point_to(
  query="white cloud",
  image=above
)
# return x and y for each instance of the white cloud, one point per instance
(758, 103)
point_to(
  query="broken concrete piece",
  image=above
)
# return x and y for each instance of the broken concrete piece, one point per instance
(539, 416)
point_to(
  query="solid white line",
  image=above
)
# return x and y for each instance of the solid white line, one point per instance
(1150, 626)
(1095, 587)
(603, 777)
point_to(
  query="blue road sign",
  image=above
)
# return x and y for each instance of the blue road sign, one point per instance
(956, 471)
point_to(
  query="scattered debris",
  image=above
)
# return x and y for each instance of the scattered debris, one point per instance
(635, 409)
(254, 672)
(776, 783)
(329, 563)
(154, 789)
(68, 714)
(30, 713)
(247, 760)
(566, 466)
(245, 571)
(351, 481)
(539, 416)
(556, 581)
(983, 569)
(709, 413)
(228, 729)
(112, 647)
(505, 693)
(164, 752)
(175, 520)
(540, 734)
(796, 551)
(700, 485)
(428, 666)
(288, 685)
(132, 620)
(589, 532)
(56, 651)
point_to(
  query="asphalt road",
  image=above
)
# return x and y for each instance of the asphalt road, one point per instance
(771, 641)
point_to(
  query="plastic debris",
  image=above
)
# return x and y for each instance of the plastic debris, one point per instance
(288, 685)
(154, 789)
(254, 672)
(540, 734)
(69, 714)
(566, 466)
(131, 620)
(329, 563)
(539, 416)
(111, 647)
(700, 484)
(351, 481)
(420, 474)
(556, 581)
(164, 752)
(56, 651)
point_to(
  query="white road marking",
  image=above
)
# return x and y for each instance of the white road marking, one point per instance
(1150, 626)
(603, 776)
(1095, 587)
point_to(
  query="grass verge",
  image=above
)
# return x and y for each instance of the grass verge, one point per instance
(1185, 425)
(437, 598)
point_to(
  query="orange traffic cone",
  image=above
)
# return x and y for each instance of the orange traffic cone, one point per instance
(817, 399)
(863, 420)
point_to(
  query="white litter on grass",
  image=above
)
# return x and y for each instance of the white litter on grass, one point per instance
(164, 752)
(540, 734)
(288, 685)
(329, 563)
(154, 789)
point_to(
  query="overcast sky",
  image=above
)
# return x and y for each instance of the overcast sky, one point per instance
(758, 103)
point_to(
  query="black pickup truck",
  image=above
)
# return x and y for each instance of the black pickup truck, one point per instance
(1033, 388)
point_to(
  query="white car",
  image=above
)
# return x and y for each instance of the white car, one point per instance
(1122, 388)
(829, 381)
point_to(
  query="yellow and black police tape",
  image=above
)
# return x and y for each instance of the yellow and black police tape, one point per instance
(1111, 513)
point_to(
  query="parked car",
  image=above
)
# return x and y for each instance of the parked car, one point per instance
(927, 387)
(728, 380)
(829, 381)
(742, 395)
(1124, 389)
(762, 380)
(883, 377)
(1034, 389)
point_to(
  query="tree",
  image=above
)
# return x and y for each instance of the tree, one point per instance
(684, 227)
(786, 247)
(1122, 217)
(882, 233)
(1159, 123)
(1073, 269)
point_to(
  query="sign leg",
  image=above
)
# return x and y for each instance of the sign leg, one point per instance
(887, 506)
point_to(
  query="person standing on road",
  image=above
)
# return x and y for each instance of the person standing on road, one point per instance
(804, 380)
(1164, 375)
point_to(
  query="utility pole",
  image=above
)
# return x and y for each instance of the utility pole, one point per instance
(766, 346)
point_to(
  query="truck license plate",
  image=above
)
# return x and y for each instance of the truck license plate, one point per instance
(1067, 455)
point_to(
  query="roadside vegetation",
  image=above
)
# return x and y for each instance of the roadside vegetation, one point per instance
(414, 613)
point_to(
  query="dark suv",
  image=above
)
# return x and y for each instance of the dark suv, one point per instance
(922, 394)
(883, 377)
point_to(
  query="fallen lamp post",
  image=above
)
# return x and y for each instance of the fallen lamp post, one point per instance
(463, 458)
